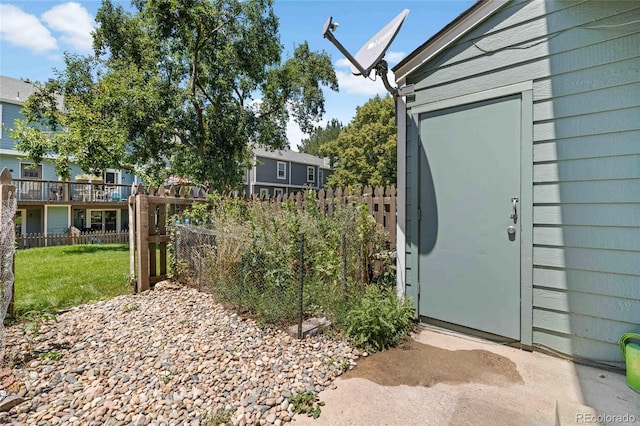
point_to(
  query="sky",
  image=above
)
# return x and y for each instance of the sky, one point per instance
(34, 34)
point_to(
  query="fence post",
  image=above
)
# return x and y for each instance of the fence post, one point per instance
(344, 262)
(8, 192)
(142, 241)
(132, 236)
(200, 271)
(301, 286)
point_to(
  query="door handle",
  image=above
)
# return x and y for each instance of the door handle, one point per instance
(514, 208)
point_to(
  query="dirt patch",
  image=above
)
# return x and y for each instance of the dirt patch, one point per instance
(417, 364)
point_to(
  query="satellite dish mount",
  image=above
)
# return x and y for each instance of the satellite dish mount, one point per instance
(370, 56)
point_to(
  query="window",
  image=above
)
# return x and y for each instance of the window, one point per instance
(30, 190)
(264, 192)
(30, 171)
(282, 170)
(111, 176)
(278, 192)
(103, 220)
(320, 177)
(96, 220)
(311, 174)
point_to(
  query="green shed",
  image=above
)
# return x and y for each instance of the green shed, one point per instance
(519, 174)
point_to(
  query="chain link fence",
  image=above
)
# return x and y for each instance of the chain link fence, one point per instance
(279, 281)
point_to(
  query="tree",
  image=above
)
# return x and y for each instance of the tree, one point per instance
(320, 136)
(366, 148)
(178, 87)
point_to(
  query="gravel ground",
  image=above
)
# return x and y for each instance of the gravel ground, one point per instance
(162, 358)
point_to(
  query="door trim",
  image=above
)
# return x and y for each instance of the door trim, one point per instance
(526, 230)
(525, 90)
(472, 98)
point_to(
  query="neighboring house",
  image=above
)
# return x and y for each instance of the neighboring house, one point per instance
(519, 174)
(45, 203)
(283, 172)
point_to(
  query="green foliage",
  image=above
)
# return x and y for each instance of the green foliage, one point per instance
(366, 148)
(34, 319)
(306, 403)
(255, 264)
(218, 417)
(51, 356)
(52, 278)
(176, 87)
(380, 320)
(321, 136)
(131, 307)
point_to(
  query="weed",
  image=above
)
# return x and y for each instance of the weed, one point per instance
(218, 417)
(34, 319)
(252, 259)
(345, 364)
(169, 375)
(131, 307)
(380, 320)
(51, 356)
(306, 403)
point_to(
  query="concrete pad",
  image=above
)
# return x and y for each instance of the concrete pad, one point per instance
(546, 380)
(572, 414)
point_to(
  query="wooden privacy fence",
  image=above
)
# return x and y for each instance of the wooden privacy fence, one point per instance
(149, 210)
(380, 200)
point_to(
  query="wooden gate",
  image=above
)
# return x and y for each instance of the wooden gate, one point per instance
(149, 212)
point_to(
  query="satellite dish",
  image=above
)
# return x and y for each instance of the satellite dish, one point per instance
(371, 55)
(373, 50)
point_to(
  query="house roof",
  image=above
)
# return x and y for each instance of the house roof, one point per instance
(15, 91)
(293, 156)
(448, 35)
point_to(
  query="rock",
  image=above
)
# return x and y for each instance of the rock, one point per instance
(198, 359)
(166, 285)
(10, 401)
(139, 420)
(310, 327)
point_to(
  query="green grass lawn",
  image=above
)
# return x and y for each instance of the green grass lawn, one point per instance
(53, 278)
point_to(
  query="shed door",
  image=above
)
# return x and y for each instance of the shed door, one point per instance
(469, 171)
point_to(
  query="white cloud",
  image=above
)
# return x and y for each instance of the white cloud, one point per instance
(294, 134)
(343, 63)
(74, 22)
(394, 57)
(358, 85)
(24, 30)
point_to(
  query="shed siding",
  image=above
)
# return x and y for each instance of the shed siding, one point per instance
(10, 112)
(584, 63)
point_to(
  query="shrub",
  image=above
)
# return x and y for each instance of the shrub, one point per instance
(380, 320)
(252, 260)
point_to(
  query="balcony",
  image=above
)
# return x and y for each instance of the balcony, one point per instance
(34, 191)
